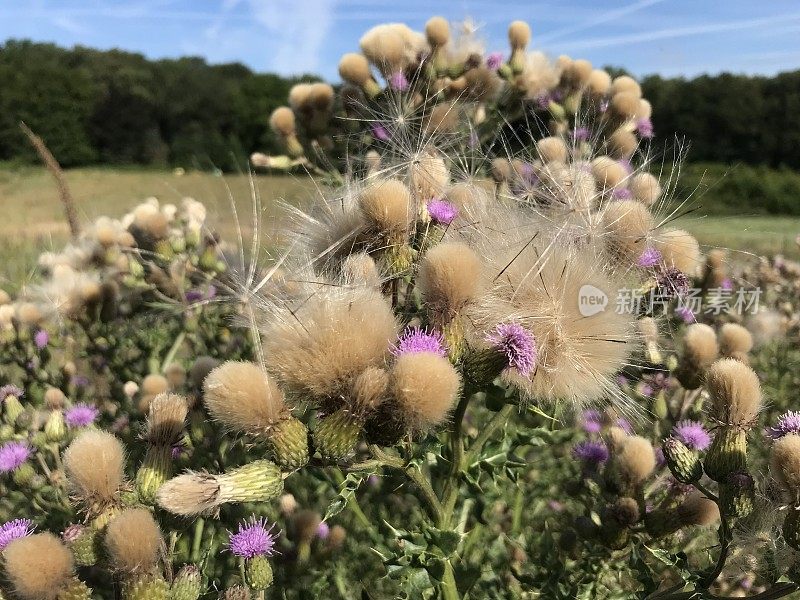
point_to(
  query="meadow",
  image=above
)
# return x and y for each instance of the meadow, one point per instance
(34, 219)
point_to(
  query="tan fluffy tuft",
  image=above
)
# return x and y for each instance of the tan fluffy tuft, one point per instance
(369, 389)
(38, 566)
(627, 84)
(360, 269)
(735, 392)
(437, 30)
(189, 494)
(785, 463)
(627, 226)
(166, 419)
(599, 82)
(282, 121)
(243, 397)
(94, 463)
(734, 339)
(700, 346)
(696, 509)
(387, 204)
(552, 149)
(448, 278)
(425, 386)
(608, 172)
(645, 188)
(429, 176)
(680, 250)
(133, 540)
(625, 104)
(622, 144)
(635, 460)
(354, 68)
(519, 35)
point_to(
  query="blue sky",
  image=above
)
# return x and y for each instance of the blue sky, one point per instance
(671, 37)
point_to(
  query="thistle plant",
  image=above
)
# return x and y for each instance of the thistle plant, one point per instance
(423, 388)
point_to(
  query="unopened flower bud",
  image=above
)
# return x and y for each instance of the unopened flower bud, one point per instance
(684, 463)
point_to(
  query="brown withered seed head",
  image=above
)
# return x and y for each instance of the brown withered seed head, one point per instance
(696, 509)
(448, 278)
(166, 419)
(281, 121)
(38, 566)
(734, 339)
(388, 206)
(437, 30)
(735, 392)
(608, 172)
(519, 34)
(133, 540)
(425, 386)
(243, 397)
(785, 463)
(94, 464)
(54, 398)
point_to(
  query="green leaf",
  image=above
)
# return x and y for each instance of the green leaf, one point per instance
(346, 492)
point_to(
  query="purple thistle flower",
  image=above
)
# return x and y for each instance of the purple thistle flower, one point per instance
(622, 381)
(80, 415)
(80, 381)
(323, 529)
(555, 506)
(592, 421)
(398, 81)
(660, 460)
(193, 296)
(644, 128)
(788, 422)
(253, 539)
(442, 211)
(685, 314)
(673, 282)
(518, 344)
(693, 435)
(12, 455)
(647, 390)
(621, 194)
(726, 284)
(590, 453)
(649, 258)
(14, 530)
(11, 390)
(414, 340)
(603, 106)
(494, 61)
(41, 339)
(379, 132)
(626, 165)
(543, 101)
(580, 134)
(72, 532)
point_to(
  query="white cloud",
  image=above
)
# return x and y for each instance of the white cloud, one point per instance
(296, 30)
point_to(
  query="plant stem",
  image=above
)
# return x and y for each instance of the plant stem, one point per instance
(450, 494)
(173, 351)
(497, 421)
(198, 539)
(416, 476)
(448, 587)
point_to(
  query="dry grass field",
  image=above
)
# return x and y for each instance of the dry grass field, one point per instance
(33, 219)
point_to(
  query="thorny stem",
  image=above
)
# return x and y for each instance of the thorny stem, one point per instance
(416, 476)
(450, 495)
(779, 590)
(497, 421)
(353, 504)
(173, 351)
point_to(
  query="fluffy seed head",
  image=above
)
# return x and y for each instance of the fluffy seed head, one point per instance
(625, 104)
(635, 460)
(680, 250)
(322, 345)
(645, 188)
(94, 464)
(298, 96)
(354, 68)
(622, 144)
(425, 386)
(735, 392)
(429, 176)
(599, 82)
(448, 278)
(437, 30)
(154, 384)
(519, 34)
(165, 419)
(133, 540)
(54, 398)
(360, 269)
(648, 329)
(785, 463)
(625, 83)
(552, 149)
(38, 566)
(243, 397)
(189, 494)
(501, 169)
(696, 509)
(320, 96)
(627, 224)
(369, 389)
(385, 47)
(734, 339)
(387, 204)
(608, 172)
(700, 347)
(282, 121)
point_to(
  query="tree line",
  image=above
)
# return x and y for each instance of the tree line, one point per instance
(114, 107)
